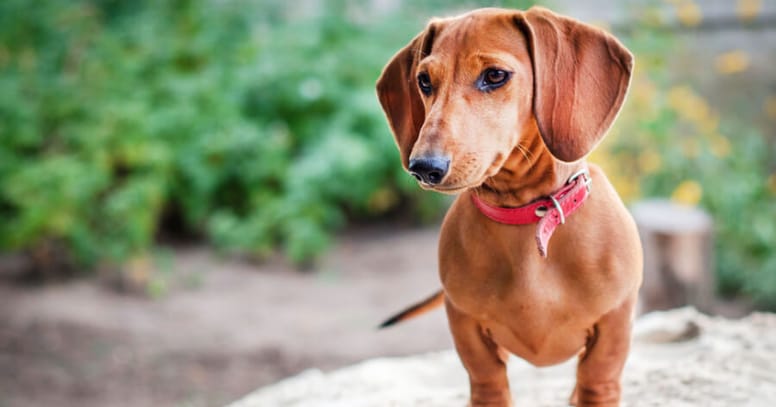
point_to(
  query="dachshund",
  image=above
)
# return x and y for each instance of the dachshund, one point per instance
(538, 255)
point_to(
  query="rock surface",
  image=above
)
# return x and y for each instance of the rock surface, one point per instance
(679, 358)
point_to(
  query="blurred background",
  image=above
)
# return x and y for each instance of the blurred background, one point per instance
(200, 197)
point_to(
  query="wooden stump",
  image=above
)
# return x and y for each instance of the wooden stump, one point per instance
(678, 264)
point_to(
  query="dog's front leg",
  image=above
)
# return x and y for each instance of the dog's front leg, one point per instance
(484, 360)
(601, 363)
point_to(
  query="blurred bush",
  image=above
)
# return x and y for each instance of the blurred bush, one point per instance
(670, 142)
(252, 123)
(257, 127)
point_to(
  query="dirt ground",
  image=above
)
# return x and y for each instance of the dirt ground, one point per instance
(678, 358)
(238, 326)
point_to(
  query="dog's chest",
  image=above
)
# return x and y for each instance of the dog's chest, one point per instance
(504, 289)
(531, 316)
(482, 267)
(526, 309)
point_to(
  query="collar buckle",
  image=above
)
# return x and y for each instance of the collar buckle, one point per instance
(585, 174)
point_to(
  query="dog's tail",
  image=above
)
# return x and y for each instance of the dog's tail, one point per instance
(435, 300)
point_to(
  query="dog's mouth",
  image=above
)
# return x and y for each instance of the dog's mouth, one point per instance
(469, 176)
(451, 188)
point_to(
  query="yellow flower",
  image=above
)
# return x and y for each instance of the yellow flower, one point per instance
(697, 110)
(688, 13)
(643, 92)
(748, 10)
(382, 200)
(688, 104)
(710, 124)
(626, 187)
(650, 161)
(688, 192)
(720, 145)
(732, 62)
(677, 94)
(678, 98)
(770, 107)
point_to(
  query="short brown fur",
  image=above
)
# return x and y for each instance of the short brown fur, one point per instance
(511, 146)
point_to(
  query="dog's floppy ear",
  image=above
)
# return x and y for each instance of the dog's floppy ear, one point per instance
(399, 95)
(581, 76)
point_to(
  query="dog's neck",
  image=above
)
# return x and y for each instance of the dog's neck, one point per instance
(529, 173)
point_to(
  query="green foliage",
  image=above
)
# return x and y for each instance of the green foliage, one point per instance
(669, 142)
(257, 128)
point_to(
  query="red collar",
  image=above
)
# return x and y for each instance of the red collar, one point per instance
(549, 212)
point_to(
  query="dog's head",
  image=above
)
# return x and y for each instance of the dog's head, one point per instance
(460, 94)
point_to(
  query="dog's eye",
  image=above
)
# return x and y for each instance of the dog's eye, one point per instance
(424, 83)
(495, 76)
(491, 79)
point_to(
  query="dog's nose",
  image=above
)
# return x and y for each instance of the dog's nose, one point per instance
(430, 170)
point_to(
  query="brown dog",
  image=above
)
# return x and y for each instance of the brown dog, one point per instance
(502, 106)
